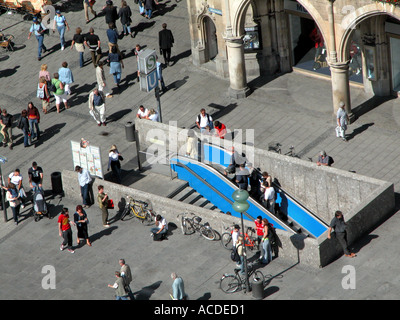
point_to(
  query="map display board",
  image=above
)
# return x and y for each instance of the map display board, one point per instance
(88, 157)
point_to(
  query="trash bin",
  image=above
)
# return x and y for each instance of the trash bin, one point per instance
(56, 183)
(257, 287)
(130, 131)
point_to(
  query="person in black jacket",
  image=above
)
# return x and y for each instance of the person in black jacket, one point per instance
(110, 12)
(165, 41)
(125, 14)
(23, 124)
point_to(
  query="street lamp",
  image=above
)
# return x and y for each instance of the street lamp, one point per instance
(241, 205)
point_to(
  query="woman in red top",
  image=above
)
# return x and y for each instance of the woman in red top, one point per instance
(34, 119)
(220, 129)
(65, 230)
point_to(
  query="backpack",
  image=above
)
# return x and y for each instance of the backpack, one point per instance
(235, 255)
(331, 161)
(209, 122)
(40, 92)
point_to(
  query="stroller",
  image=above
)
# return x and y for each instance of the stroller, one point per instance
(39, 205)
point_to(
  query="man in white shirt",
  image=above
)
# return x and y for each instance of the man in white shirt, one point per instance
(342, 121)
(161, 226)
(235, 235)
(84, 183)
(269, 198)
(204, 120)
(142, 113)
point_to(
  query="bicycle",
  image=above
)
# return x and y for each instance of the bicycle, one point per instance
(138, 209)
(230, 283)
(192, 225)
(249, 238)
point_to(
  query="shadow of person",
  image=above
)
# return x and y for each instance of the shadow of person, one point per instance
(146, 292)
(359, 130)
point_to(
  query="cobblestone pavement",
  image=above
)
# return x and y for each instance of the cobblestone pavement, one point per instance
(292, 109)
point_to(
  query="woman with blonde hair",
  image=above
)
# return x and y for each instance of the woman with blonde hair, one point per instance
(44, 73)
(43, 94)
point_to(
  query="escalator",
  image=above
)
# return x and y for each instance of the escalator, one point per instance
(217, 189)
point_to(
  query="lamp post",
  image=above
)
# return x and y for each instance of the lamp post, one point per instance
(241, 205)
(3, 202)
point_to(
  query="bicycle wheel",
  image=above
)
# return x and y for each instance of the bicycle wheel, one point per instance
(187, 226)
(127, 214)
(207, 233)
(139, 212)
(226, 240)
(257, 276)
(229, 283)
(249, 243)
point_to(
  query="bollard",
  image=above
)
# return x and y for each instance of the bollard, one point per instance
(257, 288)
(56, 183)
(129, 131)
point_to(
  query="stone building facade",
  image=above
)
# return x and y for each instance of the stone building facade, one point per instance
(348, 41)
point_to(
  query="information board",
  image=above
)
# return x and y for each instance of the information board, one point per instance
(87, 157)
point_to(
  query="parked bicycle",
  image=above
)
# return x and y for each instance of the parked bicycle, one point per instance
(138, 209)
(230, 283)
(276, 147)
(190, 225)
(249, 238)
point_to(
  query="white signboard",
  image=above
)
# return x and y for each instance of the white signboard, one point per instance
(88, 157)
(147, 61)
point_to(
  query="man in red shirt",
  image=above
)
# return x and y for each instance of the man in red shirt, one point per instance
(259, 230)
(64, 230)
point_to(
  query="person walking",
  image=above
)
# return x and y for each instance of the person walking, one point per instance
(92, 41)
(35, 176)
(116, 65)
(112, 36)
(125, 15)
(66, 77)
(65, 230)
(78, 40)
(136, 52)
(6, 121)
(126, 274)
(97, 106)
(101, 80)
(102, 200)
(12, 197)
(38, 29)
(88, 5)
(340, 228)
(120, 291)
(34, 120)
(23, 124)
(43, 94)
(149, 7)
(342, 121)
(267, 251)
(59, 93)
(61, 24)
(114, 158)
(160, 76)
(84, 182)
(16, 179)
(165, 42)
(178, 288)
(81, 222)
(110, 12)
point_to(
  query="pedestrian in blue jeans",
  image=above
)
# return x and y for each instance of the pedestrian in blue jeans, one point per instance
(78, 40)
(34, 119)
(61, 23)
(23, 124)
(84, 182)
(149, 7)
(267, 251)
(38, 29)
(119, 286)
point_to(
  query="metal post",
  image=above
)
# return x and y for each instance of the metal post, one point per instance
(245, 256)
(157, 94)
(138, 149)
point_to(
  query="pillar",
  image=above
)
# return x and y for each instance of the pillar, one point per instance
(237, 69)
(341, 87)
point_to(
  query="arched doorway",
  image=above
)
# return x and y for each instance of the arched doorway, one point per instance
(211, 43)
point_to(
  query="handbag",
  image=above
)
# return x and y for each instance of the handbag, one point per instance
(110, 204)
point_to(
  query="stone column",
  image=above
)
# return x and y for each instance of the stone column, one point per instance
(237, 68)
(341, 87)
